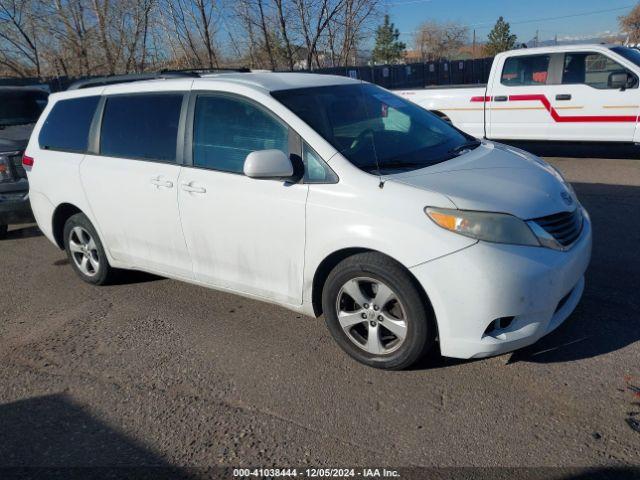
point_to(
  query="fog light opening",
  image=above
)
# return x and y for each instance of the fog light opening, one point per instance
(497, 325)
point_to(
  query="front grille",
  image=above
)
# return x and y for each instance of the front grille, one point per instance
(565, 227)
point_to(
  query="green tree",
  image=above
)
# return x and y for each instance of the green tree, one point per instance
(388, 48)
(500, 38)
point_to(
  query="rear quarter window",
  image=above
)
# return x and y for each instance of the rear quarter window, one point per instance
(67, 125)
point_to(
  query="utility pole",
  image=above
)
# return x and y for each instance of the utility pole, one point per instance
(474, 44)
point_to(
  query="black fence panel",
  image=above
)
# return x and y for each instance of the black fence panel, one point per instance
(412, 75)
(431, 73)
(457, 72)
(444, 73)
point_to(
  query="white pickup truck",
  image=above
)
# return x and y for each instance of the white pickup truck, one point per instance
(567, 93)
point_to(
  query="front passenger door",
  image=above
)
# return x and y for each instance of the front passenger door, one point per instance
(244, 234)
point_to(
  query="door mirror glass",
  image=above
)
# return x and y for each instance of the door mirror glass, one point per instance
(619, 80)
(268, 164)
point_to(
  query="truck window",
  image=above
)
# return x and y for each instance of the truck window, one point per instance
(67, 125)
(525, 70)
(141, 126)
(591, 69)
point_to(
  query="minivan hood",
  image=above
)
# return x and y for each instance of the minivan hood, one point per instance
(496, 178)
(15, 137)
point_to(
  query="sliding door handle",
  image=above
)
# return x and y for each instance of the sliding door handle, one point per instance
(563, 96)
(500, 98)
(188, 187)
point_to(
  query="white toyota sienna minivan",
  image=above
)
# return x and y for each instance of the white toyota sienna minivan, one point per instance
(323, 194)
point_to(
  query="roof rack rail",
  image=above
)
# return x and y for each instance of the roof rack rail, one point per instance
(110, 80)
(208, 70)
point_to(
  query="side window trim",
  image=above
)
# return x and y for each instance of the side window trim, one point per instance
(96, 126)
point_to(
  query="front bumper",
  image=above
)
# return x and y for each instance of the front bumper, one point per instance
(472, 288)
(15, 208)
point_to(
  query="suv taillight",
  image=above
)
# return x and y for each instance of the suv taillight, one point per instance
(5, 168)
(27, 161)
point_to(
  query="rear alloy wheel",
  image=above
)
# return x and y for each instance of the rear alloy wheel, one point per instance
(85, 251)
(376, 313)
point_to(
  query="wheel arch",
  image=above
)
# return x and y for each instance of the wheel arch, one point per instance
(324, 268)
(60, 215)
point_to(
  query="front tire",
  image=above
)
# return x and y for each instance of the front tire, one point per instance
(376, 313)
(3, 231)
(85, 251)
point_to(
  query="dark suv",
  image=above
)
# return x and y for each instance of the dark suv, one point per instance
(20, 108)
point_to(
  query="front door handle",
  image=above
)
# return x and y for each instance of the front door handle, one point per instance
(188, 187)
(563, 96)
(158, 182)
(500, 98)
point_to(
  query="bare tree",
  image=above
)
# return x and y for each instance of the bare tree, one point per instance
(630, 24)
(439, 40)
(19, 29)
(192, 24)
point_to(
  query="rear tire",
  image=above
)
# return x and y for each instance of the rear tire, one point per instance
(376, 313)
(3, 231)
(85, 251)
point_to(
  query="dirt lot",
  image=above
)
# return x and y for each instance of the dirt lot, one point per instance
(157, 372)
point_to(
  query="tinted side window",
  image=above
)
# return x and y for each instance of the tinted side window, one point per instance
(227, 129)
(67, 126)
(525, 70)
(591, 69)
(141, 126)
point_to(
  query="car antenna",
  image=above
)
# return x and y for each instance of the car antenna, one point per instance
(373, 143)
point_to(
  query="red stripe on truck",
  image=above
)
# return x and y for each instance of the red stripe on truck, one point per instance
(571, 118)
(559, 118)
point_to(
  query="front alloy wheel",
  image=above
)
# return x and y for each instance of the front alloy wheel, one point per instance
(371, 315)
(377, 312)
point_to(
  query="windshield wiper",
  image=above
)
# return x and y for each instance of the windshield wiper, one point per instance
(470, 145)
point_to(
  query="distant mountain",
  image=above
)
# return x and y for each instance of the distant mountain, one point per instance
(604, 37)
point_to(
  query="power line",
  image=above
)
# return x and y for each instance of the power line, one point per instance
(521, 22)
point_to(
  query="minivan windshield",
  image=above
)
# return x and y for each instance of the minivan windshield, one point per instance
(21, 107)
(375, 130)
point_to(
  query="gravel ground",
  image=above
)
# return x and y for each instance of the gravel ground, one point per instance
(157, 372)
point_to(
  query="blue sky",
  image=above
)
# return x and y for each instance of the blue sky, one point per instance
(525, 16)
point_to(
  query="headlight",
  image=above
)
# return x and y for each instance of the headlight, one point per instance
(490, 227)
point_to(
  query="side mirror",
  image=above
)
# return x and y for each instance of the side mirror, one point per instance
(619, 80)
(268, 164)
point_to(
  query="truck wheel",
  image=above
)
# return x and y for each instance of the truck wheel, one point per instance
(376, 313)
(85, 251)
(3, 231)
